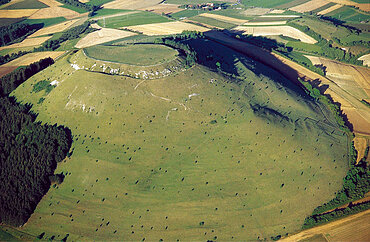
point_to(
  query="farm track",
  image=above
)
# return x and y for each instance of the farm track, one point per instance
(339, 228)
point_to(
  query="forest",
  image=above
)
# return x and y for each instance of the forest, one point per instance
(29, 151)
(16, 32)
(4, 1)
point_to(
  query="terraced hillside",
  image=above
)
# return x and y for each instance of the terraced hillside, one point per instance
(190, 155)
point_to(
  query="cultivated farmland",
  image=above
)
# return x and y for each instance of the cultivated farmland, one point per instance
(101, 36)
(224, 18)
(17, 13)
(167, 28)
(54, 12)
(131, 4)
(309, 6)
(33, 57)
(365, 59)
(330, 9)
(27, 42)
(154, 157)
(277, 30)
(164, 8)
(54, 28)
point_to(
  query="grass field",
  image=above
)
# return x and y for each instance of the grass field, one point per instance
(264, 4)
(102, 36)
(212, 22)
(8, 21)
(54, 28)
(349, 14)
(107, 11)
(46, 22)
(27, 4)
(186, 13)
(131, 4)
(133, 54)
(224, 18)
(152, 158)
(132, 19)
(232, 13)
(164, 8)
(329, 9)
(291, 4)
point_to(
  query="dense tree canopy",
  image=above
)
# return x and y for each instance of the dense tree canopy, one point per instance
(16, 32)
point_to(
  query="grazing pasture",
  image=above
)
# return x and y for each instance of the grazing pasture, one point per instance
(133, 54)
(167, 28)
(101, 36)
(26, 4)
(224, 18)
(208, 22)
(349, 14)
(164, 8)
(330, 9)
(277, 30)
(152, 158)
(363, 6)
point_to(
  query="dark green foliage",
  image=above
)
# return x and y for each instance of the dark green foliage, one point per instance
(78, 4)
(365, 102)
(263, 42)
(29, 153)
(72, 33)
(4, 1)
(12, 80)
(315, 220)
(16, 32)
(43, 85)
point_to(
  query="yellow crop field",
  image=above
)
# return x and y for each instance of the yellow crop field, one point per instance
(27, 42)
(365, 59)
(277, 30)
(33, 57)
(101, 36)
(54, 28)
(224, 18)
(166, 28)
(266, 23)
(164, 8)
(360, 145)
(54, 12)
(330, 9)
(309, 6)
(131, 4)
(51, 3)
(17, 13)
(362, 6)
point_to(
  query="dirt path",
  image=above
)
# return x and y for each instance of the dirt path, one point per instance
(338, 229)
(293, 71)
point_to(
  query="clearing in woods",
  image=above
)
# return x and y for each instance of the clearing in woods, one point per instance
(54, 28)
(330, 9)
(101, 36)
(33, 57)
(277, 30)
(309, 6)
(131, 4)
(133, 54)
(164, 8)
(154, 161)
(27, 42)
(167, 28)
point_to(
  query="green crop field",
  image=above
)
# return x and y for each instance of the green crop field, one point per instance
(27, 4)
(186, 13)
(233, 13)
(107, 11)
(132, 19)
(212, 22)
(290, 4)
(46, 22)
(349, 14)
(144, 54)
(193, 155)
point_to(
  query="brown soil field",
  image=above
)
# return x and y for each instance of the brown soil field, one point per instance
(166, 28)
(360, 145)
(309, 6)
(54, 28)
(54, 12)
(256, 11)
(33, 57)
(362, 6)
(27, 42)
(101, 36)
(266, 23)
(330, 9)
(6, 69)
(131, 4)
(164, 8)
(277, 30)
(365, 59)
(17, 13)
(351, 228)
(224, 18)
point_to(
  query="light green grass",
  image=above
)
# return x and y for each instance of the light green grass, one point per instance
(144, 54)
(27, 4)
(212, 22)
(133, 19)
(106, 11)
(98, 2)
(233, 13)
(142, 162)
(47, 22)
(290, 3)
(74, 8)
(186, 13)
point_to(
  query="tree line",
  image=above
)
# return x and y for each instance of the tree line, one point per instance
(4, 1)
(12, 80)
(16, 32)
(29, 152)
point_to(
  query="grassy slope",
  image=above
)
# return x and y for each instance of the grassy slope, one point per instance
(212, 22)
(133, 19)
(349, 14)
(27, 4)
(133, 173)
(134, 55)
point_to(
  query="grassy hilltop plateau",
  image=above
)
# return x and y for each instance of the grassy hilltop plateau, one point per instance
(184, 120)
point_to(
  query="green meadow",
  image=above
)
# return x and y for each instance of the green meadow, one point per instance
(194, 155)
